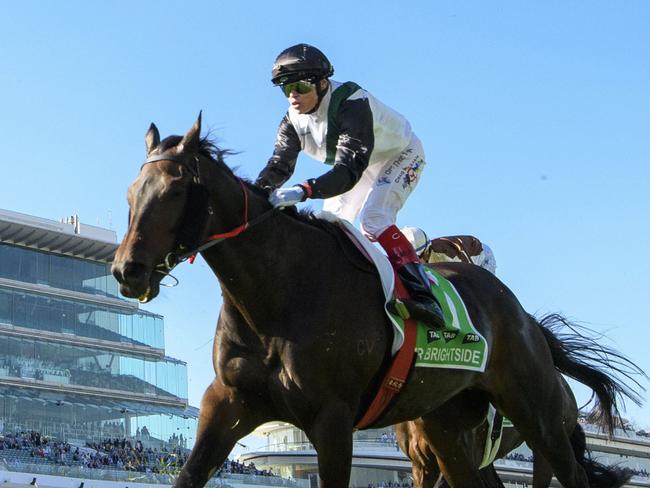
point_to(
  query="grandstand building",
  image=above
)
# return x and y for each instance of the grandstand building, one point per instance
(378, 462)
(78, 362)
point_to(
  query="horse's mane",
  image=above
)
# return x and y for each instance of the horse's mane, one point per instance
(209, 148)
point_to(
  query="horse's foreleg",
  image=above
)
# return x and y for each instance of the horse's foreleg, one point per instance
(331, 434)
(224, 418)
(542, 471)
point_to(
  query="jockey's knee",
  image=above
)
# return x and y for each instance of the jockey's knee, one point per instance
(373, 223)
(373, 231)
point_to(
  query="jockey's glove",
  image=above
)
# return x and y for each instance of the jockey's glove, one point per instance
(285, 197)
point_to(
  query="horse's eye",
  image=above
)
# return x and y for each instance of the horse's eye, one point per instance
(174, 192)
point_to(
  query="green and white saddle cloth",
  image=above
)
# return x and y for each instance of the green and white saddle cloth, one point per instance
(459, 345)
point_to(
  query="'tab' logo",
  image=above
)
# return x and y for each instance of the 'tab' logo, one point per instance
(449, 335)
(432, 336)
(469, 338)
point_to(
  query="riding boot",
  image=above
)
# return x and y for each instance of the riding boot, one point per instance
(422, 305)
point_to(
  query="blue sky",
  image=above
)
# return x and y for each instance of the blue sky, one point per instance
(535, 117)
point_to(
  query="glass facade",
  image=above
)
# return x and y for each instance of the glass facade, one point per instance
(67, 316)
(57, 271)
(72, 417)
(38, 360)
(90, 390)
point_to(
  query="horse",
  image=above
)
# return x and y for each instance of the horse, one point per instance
(302, 336)
(579, 357)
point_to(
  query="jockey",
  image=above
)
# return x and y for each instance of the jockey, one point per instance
(376, 161)
(467, 249)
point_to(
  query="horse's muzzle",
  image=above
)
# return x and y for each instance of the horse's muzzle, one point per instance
(135, 280)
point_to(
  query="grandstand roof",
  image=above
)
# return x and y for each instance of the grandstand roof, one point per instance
(71, 237)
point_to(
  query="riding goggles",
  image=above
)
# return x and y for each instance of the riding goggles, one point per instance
(302, 87)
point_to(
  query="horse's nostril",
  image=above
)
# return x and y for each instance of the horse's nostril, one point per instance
(128, 271)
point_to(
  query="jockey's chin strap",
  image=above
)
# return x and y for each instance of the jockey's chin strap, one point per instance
(176, 257)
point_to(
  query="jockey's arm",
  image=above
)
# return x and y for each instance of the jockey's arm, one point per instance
(355, 144)
(283, 162)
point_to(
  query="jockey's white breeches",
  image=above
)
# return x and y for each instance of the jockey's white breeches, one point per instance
(381, 192)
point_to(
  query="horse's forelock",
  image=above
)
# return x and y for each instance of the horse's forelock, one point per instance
(169, 142)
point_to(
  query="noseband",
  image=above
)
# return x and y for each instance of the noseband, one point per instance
(179, 255)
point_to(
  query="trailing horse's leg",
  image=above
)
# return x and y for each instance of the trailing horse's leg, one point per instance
(224, 418)
(425, 476)
(448, 442)
(331, 434)
(424, 466)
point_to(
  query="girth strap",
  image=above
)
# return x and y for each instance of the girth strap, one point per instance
(399, 370)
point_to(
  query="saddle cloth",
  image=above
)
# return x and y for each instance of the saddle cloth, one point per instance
(458, 346)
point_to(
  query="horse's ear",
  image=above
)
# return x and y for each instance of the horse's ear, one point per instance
(152, 138)
(191, 140)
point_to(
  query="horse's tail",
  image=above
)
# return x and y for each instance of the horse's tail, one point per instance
(596, 366)
(598, 475)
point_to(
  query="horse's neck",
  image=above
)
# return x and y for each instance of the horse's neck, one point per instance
(257, 270)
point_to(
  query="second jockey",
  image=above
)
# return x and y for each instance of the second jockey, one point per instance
(376, 161)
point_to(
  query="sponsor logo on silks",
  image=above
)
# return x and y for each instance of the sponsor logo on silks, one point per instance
(432, 335)
(383, 181)
(471, 338)
(449, 335)
(410, 174)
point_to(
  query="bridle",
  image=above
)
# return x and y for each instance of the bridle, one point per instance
(181, 254)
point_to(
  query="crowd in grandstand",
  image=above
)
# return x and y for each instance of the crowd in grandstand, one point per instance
(234, 467)
(392, 484)
(110, 454)
(124, 454)
(117, 453)
(517, 456)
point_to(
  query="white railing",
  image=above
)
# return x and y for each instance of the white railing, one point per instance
(219, 480)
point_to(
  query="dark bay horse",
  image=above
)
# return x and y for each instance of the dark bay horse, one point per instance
(580, 357)
(302, 336)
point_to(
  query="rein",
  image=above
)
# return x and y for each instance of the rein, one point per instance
(174, 258)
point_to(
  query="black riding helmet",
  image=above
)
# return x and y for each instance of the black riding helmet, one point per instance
(300, 62)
